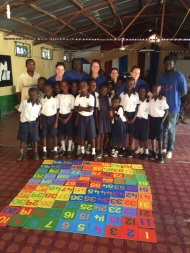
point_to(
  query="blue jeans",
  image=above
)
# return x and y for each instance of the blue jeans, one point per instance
(170, 131)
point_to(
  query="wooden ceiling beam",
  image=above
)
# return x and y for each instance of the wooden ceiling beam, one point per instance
(119, 21)
(16, 5)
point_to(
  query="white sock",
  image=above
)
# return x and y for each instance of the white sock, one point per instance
(86, 144)
(79, 147)
(69, 145)
(141, 150)
(93, 151)
(63, 145)
(44, 149)
(55, 148)
(73, 145)
(21, 150)
(113, 150)
(89, 146)
(146, 151)
(82, 149)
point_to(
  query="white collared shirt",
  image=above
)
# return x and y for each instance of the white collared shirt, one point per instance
(158, 107)
(87, 101)
(143, 109)
(129, 103)
(66, 103)
(120, 113)
(25, 82)
(49, 106)
(28, 111)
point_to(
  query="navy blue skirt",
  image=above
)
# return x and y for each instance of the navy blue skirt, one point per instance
(118, 133)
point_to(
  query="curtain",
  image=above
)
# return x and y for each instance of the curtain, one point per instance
(108, 66)
(132, 60)
(123, 65)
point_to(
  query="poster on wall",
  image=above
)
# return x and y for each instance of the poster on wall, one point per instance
(6, 78)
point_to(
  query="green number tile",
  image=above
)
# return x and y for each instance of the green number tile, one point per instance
(54, 213)
(69, 214)
(49, 224)
(39, 175)
(143, 183)
(73, 205)
(86, 207)
(33, 223)
(18, 220)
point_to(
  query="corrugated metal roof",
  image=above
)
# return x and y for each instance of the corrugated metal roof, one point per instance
(99, 10)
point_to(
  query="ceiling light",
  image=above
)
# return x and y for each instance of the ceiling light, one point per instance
(8, 11)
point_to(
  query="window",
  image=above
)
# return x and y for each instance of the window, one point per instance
(66, 58)
(47, 53)
(22, 49)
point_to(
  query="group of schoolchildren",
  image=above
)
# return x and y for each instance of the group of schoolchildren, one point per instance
(97, 120)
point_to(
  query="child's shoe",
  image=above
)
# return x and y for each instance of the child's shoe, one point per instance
(105, 153)
(129, 153)
(69, 153)
(115, 154)
(20, 157)
(44, 155)
(36, 156)
(146, 157)
(88, 150)
(81, 156)
(168, 155)
(160, 158)
(62, 153)
(55, 154)
(99, 155)
(94, 157)
(153, 156)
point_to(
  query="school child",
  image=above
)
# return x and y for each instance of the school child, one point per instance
(129, 101)
(57, 87)
(157, 115)
(66, 126)
(92, 91)
(84, 105)
(111, 92)
(118, 85)
(30, 110)
(41, 83)
(75, 91)
(118, 132)
(104, 123)
(49, 119)
(141, 123)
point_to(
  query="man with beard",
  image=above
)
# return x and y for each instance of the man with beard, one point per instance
(174, 86)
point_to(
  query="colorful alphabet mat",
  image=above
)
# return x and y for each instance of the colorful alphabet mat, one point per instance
(94, 198)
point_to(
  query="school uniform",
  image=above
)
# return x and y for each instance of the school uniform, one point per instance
(141, 122)
(111, 95)
(86, 123)
(157, 111)
(66, 102)
(129, 106)
(118, 131)
(74, 116)
(49, 111)
(28, 121)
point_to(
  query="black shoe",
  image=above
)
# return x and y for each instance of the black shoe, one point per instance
(160, 158)
(153, 156)
(81, 156)
(105, 153)
(69, 153)
(94, 157)
(62, 153)
(139, 155)
(146, 157)
(130, 153)
(99, 155)
(121, 152)
(44, 155)
(55, 154)
(20, 157)
(36, 156)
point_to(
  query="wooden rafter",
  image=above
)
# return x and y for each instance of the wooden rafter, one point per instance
(116, 15)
